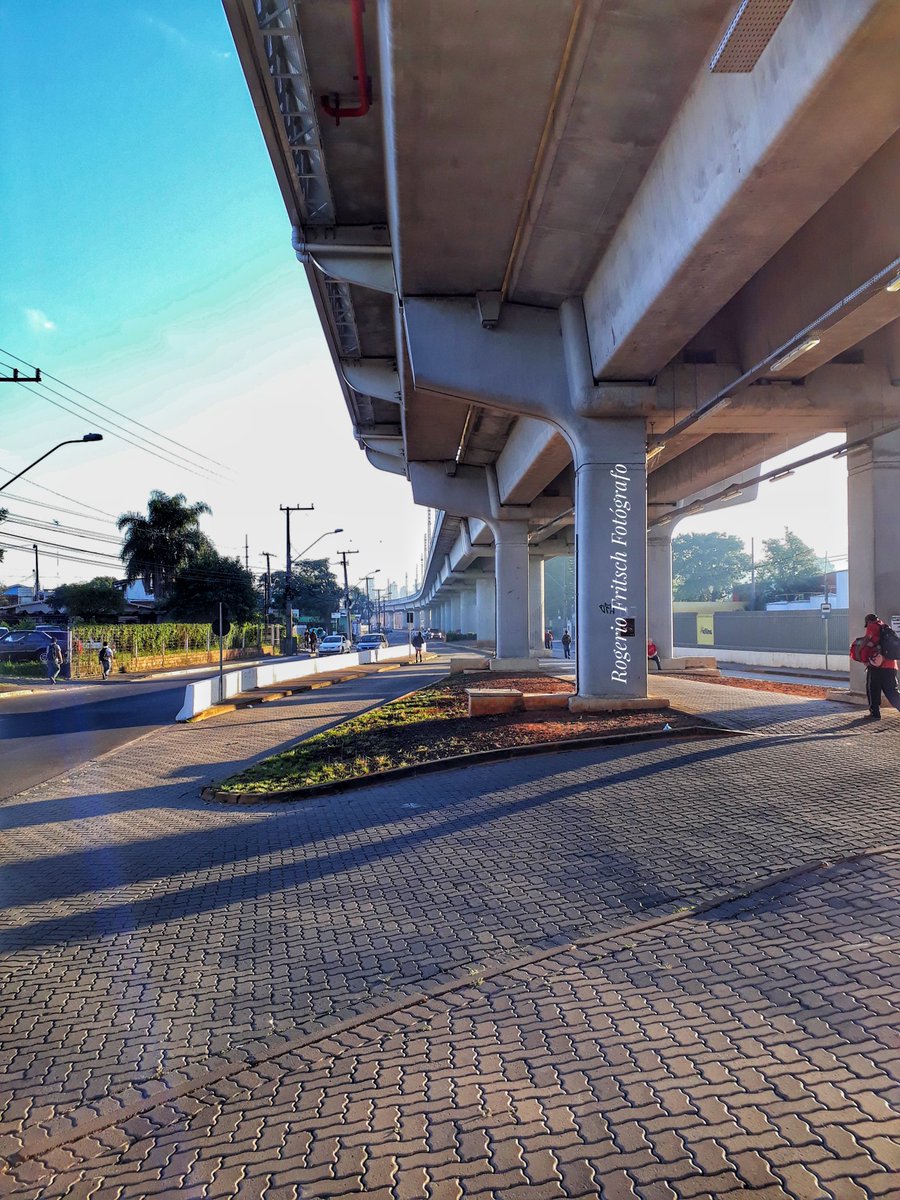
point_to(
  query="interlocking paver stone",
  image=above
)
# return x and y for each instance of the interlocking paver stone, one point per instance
(188, 932)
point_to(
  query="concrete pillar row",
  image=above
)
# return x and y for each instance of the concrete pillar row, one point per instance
(511, 574)
(467, 610)
(660, 625)
(485, 609)
(537, 621)
(873, 485)
(455, 611)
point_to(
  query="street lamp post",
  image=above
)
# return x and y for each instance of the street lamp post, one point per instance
(88, 437)
(370, 579)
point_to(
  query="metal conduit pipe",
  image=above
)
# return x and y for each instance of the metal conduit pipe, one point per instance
(335, 109)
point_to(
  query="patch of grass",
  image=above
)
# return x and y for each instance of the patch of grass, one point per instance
(22, 670)
(426, 726)
(358, 747)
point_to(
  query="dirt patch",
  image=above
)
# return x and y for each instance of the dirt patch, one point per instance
(808, 690)
(432, 724)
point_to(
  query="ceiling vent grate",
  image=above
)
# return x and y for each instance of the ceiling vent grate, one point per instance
(748, 35)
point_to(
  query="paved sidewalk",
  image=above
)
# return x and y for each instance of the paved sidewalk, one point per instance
(746, 1050)
(147, 933)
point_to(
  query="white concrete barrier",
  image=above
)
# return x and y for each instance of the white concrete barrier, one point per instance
(838, 660)
(204, 693)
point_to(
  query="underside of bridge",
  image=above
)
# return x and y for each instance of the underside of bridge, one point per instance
(582, 265)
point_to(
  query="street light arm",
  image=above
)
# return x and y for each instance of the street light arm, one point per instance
(90, 437)
(327, 533)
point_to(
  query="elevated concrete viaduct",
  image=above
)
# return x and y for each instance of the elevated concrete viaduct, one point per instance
(584, 266)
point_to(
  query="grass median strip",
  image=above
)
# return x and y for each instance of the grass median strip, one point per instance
(429, 725)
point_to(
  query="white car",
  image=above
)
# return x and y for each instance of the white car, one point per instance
(372, 641)
(334, 644)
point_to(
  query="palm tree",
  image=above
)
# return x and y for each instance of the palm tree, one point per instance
(157, 544)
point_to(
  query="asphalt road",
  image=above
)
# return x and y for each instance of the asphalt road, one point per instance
(59, 727)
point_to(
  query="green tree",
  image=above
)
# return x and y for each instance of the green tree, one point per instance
(157, 544)
(707, 566)
(91, 601)
(315, 591)
(207, 580)
(788, 567)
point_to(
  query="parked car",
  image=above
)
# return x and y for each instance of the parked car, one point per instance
(372, 641)
(335, 643)
(433, 635)
(29, 645)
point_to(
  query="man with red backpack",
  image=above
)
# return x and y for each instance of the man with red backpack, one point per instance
(878, 650)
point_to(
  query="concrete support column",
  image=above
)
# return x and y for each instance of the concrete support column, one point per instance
(659, 589)
(485, 609)
(455, 611)
(611, 561)
(873, 485)
(467, 610)
(537, 621)
(511, 568)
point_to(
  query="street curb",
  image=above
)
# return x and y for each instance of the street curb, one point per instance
(8, 695)
(463, 760)
(140, 1098)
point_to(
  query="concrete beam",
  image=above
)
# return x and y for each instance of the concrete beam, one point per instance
(376, 377)
(746, 163)
(534, 454)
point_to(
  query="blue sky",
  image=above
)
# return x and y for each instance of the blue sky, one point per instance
(145, 259)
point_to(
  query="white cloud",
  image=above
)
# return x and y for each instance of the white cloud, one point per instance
(176, 37)
(39, 322)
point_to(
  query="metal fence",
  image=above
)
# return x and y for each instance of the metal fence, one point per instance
(799, 632)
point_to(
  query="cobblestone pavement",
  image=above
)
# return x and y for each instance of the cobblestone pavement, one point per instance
(146, 932)
(748, 1049)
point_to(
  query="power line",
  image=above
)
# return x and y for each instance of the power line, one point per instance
(61, 495)
(109, 408)
(58, 508)
(58, 527)
(194, 469)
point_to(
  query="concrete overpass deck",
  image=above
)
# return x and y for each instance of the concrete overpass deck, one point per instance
(551, 242)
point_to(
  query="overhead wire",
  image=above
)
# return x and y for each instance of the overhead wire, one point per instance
(61, 495)
(72, 512)
(109, 408)
(194, 469)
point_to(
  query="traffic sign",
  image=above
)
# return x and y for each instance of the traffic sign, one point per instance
(410, 618)
(220, 630)
(825, 609)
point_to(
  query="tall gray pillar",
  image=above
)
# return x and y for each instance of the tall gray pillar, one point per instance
(659, 589)
(455, 611)
(467, 609)
(611, 561)
(511, 572)
(537, 621)
(485, 605)
(873, 486)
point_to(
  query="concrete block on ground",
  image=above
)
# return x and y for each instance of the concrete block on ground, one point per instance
(484, 702)
(513, 664)
(539, 700)
(459, 663)
(610, 704)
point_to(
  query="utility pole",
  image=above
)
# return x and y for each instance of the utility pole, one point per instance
(753, 574)
(287, 509)
(246, 553)
(378, 592)
(344, 554)
(268, 582)
(37, 571)
(17, 378)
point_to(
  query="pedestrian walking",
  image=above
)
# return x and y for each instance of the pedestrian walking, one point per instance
(548, 640)
(54, 660)
(106, 656)
(313, 642)
(876, 649)
(567, 644)
(653, 654)
(418, 642)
